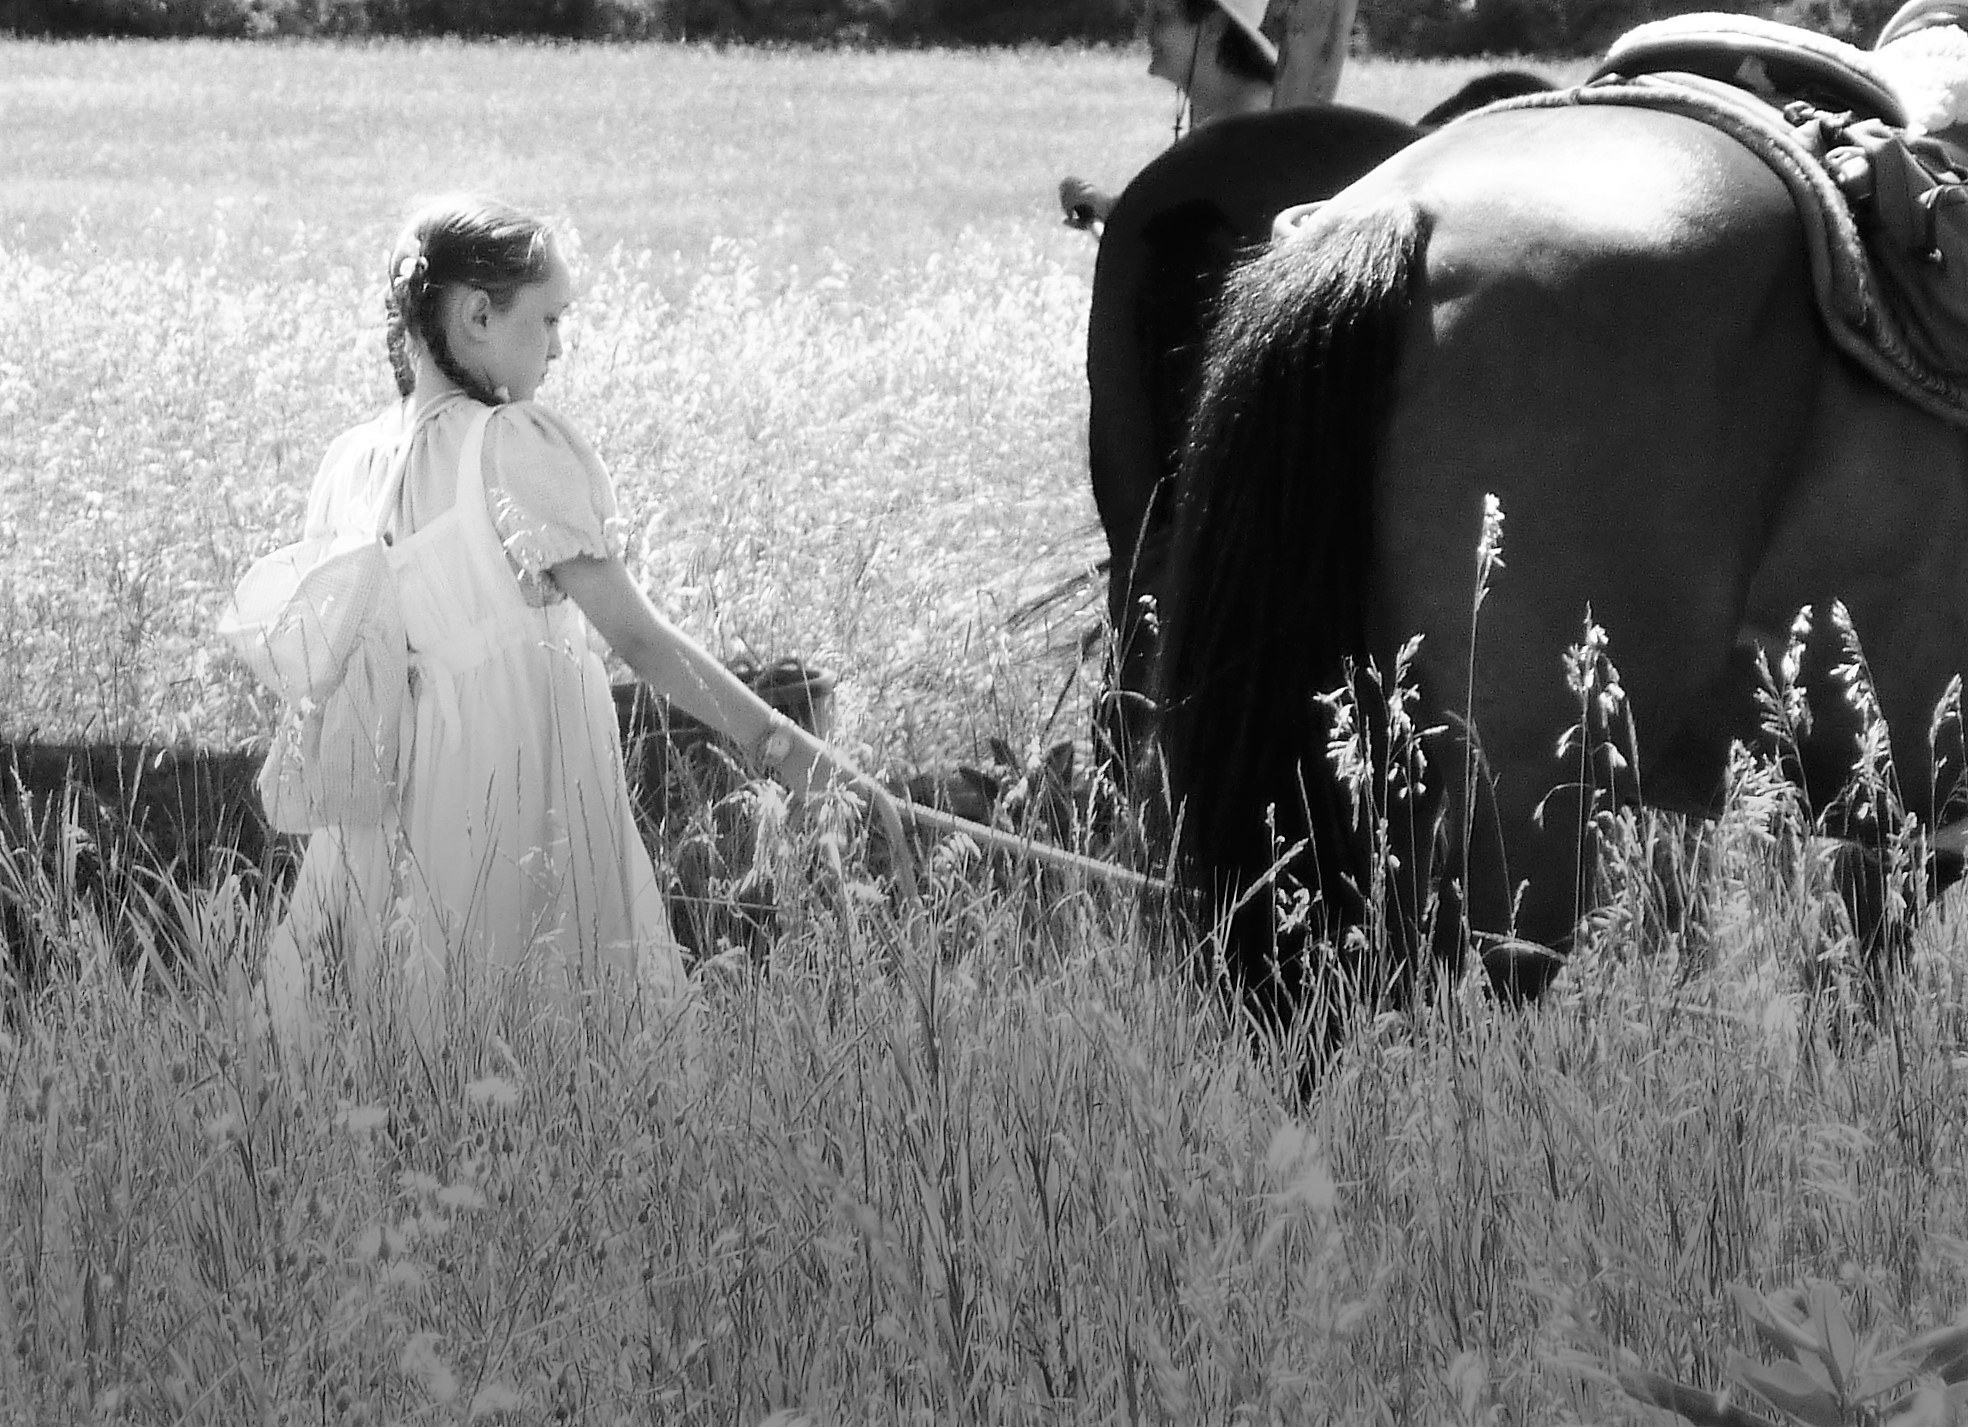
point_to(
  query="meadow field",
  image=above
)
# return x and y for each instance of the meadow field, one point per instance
(993, 1160)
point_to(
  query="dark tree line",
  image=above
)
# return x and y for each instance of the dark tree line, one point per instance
(840, 22)
(1385, 27)
(1442, 28)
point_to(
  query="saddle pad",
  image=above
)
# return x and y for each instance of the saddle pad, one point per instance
(1850, 294)
(1773, 61)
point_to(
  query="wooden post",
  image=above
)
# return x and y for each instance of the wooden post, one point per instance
(1312, 50)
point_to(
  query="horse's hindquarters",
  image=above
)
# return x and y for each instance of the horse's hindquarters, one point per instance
(1615, 339)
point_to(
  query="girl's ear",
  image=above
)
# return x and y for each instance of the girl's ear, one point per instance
(475, 308)
(455, 306)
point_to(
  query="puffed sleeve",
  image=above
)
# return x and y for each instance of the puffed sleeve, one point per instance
(549, 493)
(343, 482)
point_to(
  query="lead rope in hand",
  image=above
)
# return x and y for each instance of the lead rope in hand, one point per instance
(776, 745)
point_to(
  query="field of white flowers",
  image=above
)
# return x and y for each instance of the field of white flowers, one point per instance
(830, 338)
(992, 1162)
(845, 423)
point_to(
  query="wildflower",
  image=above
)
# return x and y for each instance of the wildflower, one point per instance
(493, 1092)
(422, 1364)
(361, 1119)
(1489, 546)
(1296, 1158)
(460, 1196)
(494, 1398)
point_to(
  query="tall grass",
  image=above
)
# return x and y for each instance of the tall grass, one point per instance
(1005, 1170)
(998, 1162)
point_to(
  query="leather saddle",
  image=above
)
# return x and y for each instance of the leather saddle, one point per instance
(1776, 62)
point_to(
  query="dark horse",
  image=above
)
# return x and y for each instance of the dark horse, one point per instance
(1603, 317)
(1174, 233)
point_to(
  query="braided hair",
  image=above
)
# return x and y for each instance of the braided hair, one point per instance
(459, 241)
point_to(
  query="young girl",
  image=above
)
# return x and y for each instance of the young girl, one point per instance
(508, 864)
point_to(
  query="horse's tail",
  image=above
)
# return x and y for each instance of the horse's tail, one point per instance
(1268, 587)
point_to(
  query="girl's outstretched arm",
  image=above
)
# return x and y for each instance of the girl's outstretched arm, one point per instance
(689, 676)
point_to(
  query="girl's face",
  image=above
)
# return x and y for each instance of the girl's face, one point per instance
(510, 349)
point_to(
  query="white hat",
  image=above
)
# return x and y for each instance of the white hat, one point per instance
(1248, 16)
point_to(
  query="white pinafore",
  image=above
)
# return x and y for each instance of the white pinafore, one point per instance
(514, 870)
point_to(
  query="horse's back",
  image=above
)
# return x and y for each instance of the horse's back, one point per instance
(1548, 192)
(1249, 166)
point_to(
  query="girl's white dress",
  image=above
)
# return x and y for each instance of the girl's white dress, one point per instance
(514, 869)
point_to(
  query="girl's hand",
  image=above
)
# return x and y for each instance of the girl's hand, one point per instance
(806, 765)
(676, 666)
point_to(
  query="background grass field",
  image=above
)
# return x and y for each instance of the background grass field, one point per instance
(996, 1163)
(831, 340)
